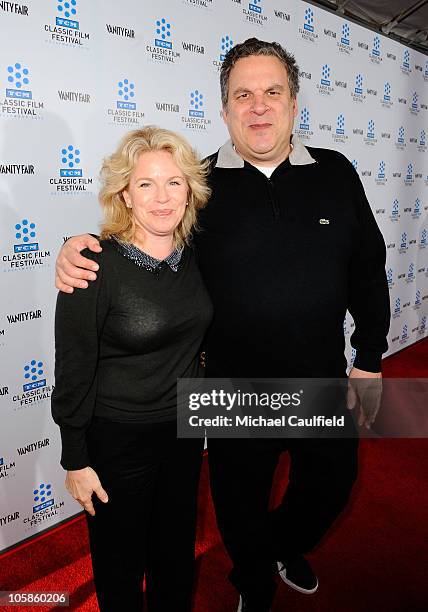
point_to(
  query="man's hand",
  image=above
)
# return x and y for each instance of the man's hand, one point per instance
(364, 393)
(73, 270)
(81, 484)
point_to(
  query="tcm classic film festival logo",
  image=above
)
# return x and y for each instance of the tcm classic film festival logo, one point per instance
(162, 50)
(124, 111)
(303, 129)
(308, 31)
(70, 179)
(253, 12)
(34, 387)
(386, 99)
(18, 100)
(344, 42)
(25, 253)
(339, 134)
(375, 52)
(65, 29)
(196, 118)
(44, 506)
(225, 44)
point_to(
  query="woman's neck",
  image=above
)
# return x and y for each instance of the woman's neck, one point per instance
(158, 247)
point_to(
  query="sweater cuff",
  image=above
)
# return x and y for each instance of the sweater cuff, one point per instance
(369, 361)
(74, 454)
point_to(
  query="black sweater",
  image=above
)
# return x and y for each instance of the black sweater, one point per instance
(283, 259)
(122, 343)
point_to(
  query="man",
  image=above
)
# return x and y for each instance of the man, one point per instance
(289, 243)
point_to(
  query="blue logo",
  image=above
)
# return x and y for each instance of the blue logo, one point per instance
(387, 92)
(126, 92)
(42, 496)
(418, 300)
(422, 141)
(345, 34)
(340, 124)
(411, 273)
(254, 6)
(163, 34)
(390, 277)
(426, 69)
(423, 324)
(309, 20)
(395, 209)
(359, 84)
(355, 164)
(67, 11)
(70, 157)
(403, 241)
(415, 102)
(424, 238)
(33, 374)
(404, 333)
(325, 75)
(226, 43)
(18, 80)
(370, 129)
(1, 460)
(417, 209)
(406, 59)
(409, 175)
(397, 307)
(196, 104)
(304, 119)
(353, 355)
(400, 138)
(25, 232)
(376, 46)
(381, 171)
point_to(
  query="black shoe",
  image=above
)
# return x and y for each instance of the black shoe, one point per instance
(244, 606)
(298, 574)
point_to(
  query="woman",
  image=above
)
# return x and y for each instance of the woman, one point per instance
(121, 344)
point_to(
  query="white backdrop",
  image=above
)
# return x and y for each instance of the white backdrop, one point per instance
(74, 76)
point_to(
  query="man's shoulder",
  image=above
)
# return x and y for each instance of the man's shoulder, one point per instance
(107, 252)
(329, 157)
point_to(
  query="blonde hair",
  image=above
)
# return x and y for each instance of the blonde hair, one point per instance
(117, 168)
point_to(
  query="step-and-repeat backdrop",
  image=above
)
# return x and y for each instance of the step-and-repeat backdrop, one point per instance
(75, 75)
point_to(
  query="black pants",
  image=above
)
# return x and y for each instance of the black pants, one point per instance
(321, 476)
(147, 528)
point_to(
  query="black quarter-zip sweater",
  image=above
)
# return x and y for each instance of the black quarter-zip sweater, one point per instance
(283, 259)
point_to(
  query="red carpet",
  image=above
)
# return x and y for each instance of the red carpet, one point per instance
(373, 560)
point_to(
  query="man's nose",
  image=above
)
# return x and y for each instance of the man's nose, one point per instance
(260, 104)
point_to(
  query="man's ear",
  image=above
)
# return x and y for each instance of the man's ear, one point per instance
(295, 107)
(223, 113)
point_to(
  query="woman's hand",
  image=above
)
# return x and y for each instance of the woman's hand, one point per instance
(81, 484)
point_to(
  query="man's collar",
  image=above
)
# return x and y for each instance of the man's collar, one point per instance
(229, 158)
